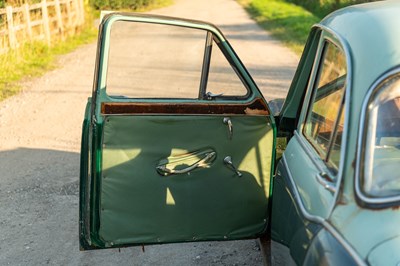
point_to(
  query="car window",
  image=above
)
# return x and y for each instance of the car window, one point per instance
(164, 61)
(222, 79)
(325, 118)
(168, 61)
(382, 154)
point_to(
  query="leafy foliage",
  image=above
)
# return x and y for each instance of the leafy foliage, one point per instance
(4, 3)
(323, 7)
(121, 4)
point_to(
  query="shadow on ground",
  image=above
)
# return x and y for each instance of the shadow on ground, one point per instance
(39, 220)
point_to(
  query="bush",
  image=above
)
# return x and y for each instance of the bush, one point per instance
(324, 7)
(120, 4)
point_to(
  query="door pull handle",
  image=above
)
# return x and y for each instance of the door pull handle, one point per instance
(203, 163)
(227, 121)
(324, 179)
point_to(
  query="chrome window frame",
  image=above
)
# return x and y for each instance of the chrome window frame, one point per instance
(211, 31)
(342, 44)
(324, 42)
(378, 202)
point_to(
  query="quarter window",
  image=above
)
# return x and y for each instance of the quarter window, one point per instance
(222, 78)
(325, 119)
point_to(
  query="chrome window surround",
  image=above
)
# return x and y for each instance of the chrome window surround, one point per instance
(342, 44)
(376, 86)
(234, 61)
(311, 91)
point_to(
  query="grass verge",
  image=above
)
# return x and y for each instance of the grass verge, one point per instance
(287, 22)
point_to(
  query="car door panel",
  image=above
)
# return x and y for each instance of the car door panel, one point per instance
(134, 197)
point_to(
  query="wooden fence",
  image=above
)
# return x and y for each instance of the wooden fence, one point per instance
(45, 21)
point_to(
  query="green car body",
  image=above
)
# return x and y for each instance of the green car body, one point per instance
(158, 169)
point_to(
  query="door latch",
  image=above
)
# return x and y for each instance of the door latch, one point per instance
(211, 96)
(227, 121)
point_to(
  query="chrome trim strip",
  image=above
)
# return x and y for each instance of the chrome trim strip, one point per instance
(344, 45)
(316, 219)
(361, 135)
(311, 83)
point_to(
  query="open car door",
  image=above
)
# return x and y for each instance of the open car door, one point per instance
(177, 143)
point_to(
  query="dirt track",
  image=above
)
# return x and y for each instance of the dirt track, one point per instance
(39, 153)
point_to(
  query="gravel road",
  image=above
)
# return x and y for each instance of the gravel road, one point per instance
(39, 153)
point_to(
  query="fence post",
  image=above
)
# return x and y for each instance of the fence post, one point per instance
(27, 18)
(10, 24)
(59, 18)
(68, 7)
(81, 12)
(77, 14)
(45, 20)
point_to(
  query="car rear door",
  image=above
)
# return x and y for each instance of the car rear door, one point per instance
(178, 142)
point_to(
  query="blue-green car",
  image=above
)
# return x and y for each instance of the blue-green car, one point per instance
(179, 144)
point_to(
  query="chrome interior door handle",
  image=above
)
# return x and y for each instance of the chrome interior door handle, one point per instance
(228, 162)
(203, 163)
(228, 122)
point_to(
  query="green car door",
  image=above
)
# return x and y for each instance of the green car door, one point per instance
(178, 142)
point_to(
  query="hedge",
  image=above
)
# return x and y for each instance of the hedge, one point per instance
(120, 4)
(324, 7)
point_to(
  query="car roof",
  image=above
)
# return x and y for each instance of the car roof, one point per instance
(372, 36)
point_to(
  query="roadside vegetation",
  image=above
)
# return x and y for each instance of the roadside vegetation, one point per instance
(290, 20)
(137, 5)
(34, 59)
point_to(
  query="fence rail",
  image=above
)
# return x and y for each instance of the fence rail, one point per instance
(46, 21)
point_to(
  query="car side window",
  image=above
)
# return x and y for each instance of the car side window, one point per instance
(164, 61)
(167, 61)
(325, 118)
(381, 157)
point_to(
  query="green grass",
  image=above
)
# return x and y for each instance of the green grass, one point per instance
(287, 22)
